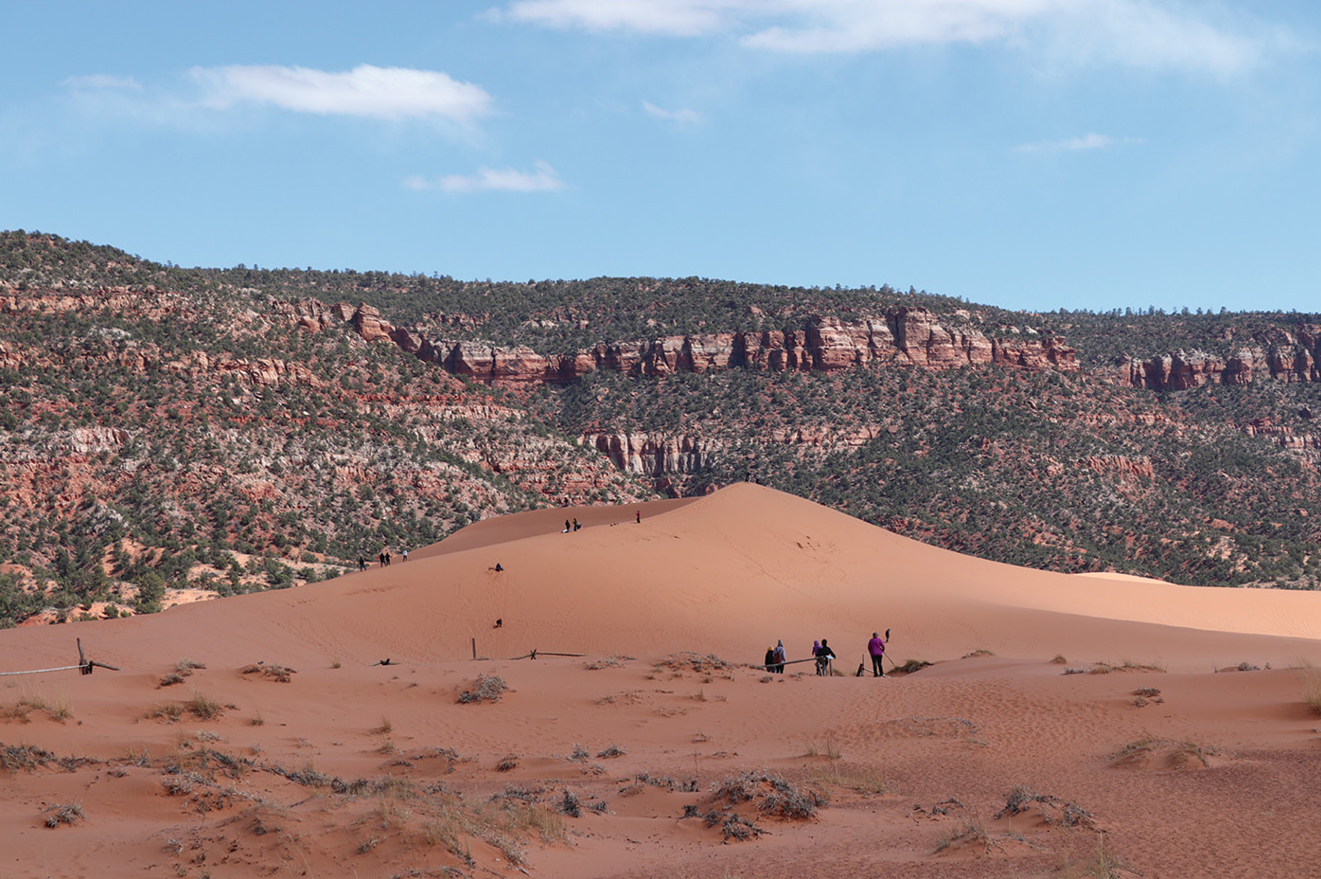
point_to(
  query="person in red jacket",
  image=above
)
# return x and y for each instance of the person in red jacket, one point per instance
(876, 647)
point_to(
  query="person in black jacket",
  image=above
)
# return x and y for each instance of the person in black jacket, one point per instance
(824, 656)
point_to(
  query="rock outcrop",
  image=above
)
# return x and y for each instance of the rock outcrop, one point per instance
(903, 335)
(1292, 358)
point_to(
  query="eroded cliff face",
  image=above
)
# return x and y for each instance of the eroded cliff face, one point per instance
(1293, 358)
(898, 336)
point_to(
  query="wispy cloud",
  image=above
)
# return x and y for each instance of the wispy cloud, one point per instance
(1148, 34)
(679, 18)
(366, 91)
(1089, 141)
(683, 116)
(543, 178)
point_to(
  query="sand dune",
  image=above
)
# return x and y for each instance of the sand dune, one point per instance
(269, 781)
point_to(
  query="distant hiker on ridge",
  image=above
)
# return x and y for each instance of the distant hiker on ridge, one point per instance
(876, 647)
(639, 512)
(780, 657)
(770, 659)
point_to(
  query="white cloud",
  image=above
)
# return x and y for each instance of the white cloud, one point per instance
(1090, 141)
(683, 116)
(542, 179)
(374, 92)
(103, 81)
(1147, 34)
(680, 18)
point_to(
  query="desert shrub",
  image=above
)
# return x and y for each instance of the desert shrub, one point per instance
(64, 813)
(612, 750)
(24, 757)
(570, 805)
(278, 673)
(487, 688)
(970, 831)
(773, 795)
(204, 707)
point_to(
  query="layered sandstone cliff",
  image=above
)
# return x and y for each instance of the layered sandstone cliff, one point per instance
(900, 335)
(1293, 358)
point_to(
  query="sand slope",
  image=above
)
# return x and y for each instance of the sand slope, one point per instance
(270, 781)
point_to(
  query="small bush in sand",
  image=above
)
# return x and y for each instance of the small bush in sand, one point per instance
(1059, 659)
(64, 813)
(1312, 688)
(29, 702)
(607, 662)
(612, 751)
(828, 749)
(1101, 865)
(25, 757)
(970, 832)
(507, 763)
(183, 669)
(204, 707)
(487, 688)
(1179, 755)
(980, 651)
(772, 794)
(385, 728)
(910, 666)
(278, 673)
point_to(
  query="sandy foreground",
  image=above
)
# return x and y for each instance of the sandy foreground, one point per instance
(1067, 726)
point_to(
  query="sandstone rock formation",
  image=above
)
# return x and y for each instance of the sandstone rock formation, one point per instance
(901, 335)
(1291, 358)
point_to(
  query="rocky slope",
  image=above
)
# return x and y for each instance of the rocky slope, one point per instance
(239, 429)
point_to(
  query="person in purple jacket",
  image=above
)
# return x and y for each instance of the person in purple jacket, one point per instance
(876, 647)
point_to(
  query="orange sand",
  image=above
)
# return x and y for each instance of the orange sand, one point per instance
(916, 768)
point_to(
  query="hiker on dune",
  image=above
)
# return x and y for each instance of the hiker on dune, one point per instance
(824, 656)
(780, 657)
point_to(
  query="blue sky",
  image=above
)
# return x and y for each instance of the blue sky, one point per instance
(1032, 154)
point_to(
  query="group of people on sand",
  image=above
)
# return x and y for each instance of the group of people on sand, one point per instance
(383, 557)
(824, 654)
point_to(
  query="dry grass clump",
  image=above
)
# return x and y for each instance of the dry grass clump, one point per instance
(981, 651)
(199, 706)
(64, 813)
(1312, 689)
(695, 662)
(607, 662)
(1103, 864)
(665, 782)
(612, 750)
(487, 688)
(1054, 810)
(1178, 755)
(204, 707)
(772, 795)
(970, 832)
(29, 702)
(911, 665)
(183, 669)
(24, 757)
(828, 749)
(278, 673)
